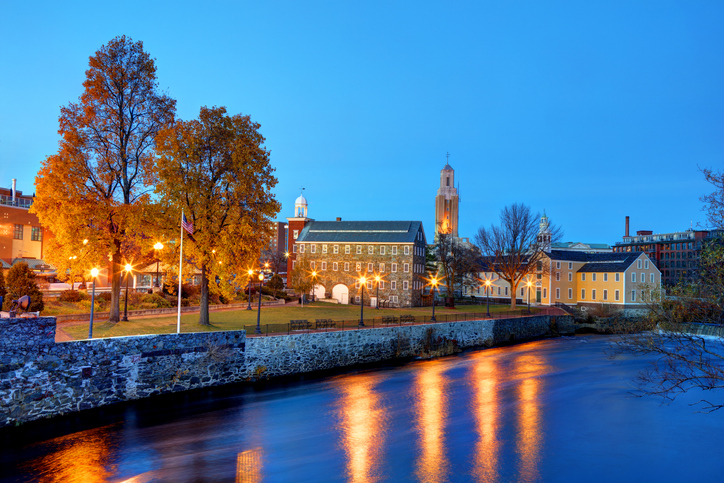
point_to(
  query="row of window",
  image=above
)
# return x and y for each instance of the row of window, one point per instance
(679, 255)
(358, 267)
(36, 233)
(359, 248)
(393, 285)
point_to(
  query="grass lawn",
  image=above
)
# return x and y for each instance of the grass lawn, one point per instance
(276, 317)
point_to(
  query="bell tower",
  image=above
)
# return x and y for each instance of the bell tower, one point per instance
(446, 202)
(295, 226)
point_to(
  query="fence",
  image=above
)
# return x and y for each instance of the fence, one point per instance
(327, 325)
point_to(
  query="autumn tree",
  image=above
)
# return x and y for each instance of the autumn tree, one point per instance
(512, 249)
(216, 169)
(97, 185)
(21, 281)
(300, 279)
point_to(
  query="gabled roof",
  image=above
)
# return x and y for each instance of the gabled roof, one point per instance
(5, 264)
(624, 261)
(360, 231)
(34, 263)
(576, 256)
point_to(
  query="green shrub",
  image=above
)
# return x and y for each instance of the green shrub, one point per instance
(21, 281)
(70, 296)
(103, 297)
(153, 301)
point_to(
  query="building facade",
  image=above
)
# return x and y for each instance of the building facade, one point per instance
(446, 203)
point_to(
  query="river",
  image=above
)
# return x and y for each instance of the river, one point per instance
(549, 410)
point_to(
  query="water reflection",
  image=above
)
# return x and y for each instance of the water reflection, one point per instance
(249, 466)
(530, 436)
(363, 427)
(486, 411)
(81, 457)
(431, 399)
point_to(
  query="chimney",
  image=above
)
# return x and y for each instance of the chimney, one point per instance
(339, 219)
(626, 226)
(15, 181)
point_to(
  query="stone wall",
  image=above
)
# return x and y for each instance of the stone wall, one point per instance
(40, 378)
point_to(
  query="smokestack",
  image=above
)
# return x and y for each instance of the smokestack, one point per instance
(626, 226)
(339, 219)
(15, 181)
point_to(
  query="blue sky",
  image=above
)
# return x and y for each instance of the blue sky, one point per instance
(589, 110)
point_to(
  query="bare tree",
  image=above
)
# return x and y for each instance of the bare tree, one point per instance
(457, 260)
(513, 248)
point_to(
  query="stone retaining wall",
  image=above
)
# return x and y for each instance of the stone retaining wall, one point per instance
(41, 378)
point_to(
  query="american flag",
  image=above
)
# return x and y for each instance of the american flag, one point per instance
(187, 225)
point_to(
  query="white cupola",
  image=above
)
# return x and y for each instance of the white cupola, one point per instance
(300, 207)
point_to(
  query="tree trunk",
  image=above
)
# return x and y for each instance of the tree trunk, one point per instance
(204, 303)
(513, 291)
(115, 309)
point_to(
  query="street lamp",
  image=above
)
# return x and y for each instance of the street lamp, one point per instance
(94, 274)
(529, 284)
(158, 246)
(434, 282)
(487, 291)
(129, 267)
(248, 288)
(362, 282)
(377, 279)
(314, 282)
(258, 314)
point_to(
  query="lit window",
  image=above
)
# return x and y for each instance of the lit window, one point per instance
(346, 266)
(334, 266)
(36, 234)
(346, 249)
(324, 248)
(371, 249)
(296, 234)
(314, 248)
(335, 249)
(382, 267)
(358, 266)
(359, 249)
(18, 233)
(301, 248)
(294, 264)
(324, 265)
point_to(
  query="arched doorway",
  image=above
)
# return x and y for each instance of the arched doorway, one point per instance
(318, 292)
(341, 293)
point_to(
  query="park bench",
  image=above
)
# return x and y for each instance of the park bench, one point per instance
(326, 324)
(389, 319)
(407, 318)
(300, 324)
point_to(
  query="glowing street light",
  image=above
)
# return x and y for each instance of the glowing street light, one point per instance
(434, 282)
(258, 313)
(529, 284)
(377, 280)
(362, 282)
(128, 270)
(158, 246)
(314, 282)
(248, 287)
(488, 282)
(94, 274)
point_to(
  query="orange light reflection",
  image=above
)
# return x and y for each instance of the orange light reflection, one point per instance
(486, 409)
(363, 428)
(249, 466)
(430, 393)
(529, 427)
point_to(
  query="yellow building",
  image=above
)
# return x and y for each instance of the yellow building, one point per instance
(566, 277)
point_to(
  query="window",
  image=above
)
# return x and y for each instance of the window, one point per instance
(324, 265)
(393, 298)
(643, 296)
(633, 295)
(593, 294)
(358, 266)
(405, 285)
(369, 285)
(605, 277)
(646, 264)
(359, 249)
(335, 266)
(570, 265)
(371, 249)
(638, 264)
(558, 293)
(356, 297)
(393, 285)
(346, 249)
(521, 291)
(394, 250)
(301, 248)
(346, 266)
(643, 277)
(335, 249)
(545, 293)
(370, 267)
(558, 277)
(324, 248)
(314, 248)
(382, 267)
(382, 249)
(558, 265)
(570, 293)
(407, 250)
(394, 267)
(311, 265)
(583, 276)
(382, 284)
(570, 276)
(294, 248)
(506, 290)
(18, 233)
(296, 234)
(36, 234)
(618, 278)
(593, 277)
(605, 294)
(583, 294)
(653, 278)
(406, 267)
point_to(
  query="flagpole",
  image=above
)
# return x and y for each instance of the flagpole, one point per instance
(180, 275)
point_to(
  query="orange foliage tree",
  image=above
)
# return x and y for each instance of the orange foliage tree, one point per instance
(98, 184)
(217, 170)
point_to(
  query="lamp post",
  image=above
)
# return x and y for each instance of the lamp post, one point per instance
(377, 279)
(94, 274)
(158, 246)
(314, 282)
(487, 290)
(362, 282)
(129, 267)
(248, 288)
(434, 283)
(258, 313)
(529, 284)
